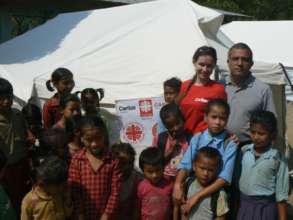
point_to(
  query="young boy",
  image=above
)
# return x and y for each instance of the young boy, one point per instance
(206, 166)
(154, 192)
(13, 143)
(48, 198)
(217, 137)
(171, 91)
(173, 142)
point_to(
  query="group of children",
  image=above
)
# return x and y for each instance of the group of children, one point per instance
(73, 173)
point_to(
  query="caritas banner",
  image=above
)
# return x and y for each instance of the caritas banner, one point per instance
(139, 120)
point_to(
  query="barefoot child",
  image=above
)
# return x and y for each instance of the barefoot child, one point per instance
(94, 175)
(264, 180)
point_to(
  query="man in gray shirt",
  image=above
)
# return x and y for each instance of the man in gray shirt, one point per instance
(246, 94)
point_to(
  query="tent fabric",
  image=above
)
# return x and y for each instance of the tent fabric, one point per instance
(271, 41)
(128, 50)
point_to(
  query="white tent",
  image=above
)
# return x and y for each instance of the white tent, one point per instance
(128, 50)
(271, 41)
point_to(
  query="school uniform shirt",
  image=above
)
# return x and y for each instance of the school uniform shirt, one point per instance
(155, 201)
(51, 111)
(171, 167)
(193, 105)
(38, 205)
(265, 176)
(94, 192)
(203, 211)
(204, 139)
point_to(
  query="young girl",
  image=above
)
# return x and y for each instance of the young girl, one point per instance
(70, 111)
(94, 175)
(62, 80)
(173, 142)
(154, 192)
(90, 101)
(48, 198)
(130, 178)
(264, 179)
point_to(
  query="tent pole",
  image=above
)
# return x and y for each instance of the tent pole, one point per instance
(287, 76)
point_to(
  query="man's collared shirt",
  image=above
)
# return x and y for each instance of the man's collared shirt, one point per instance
(253, 95)
(204, 139)
(265, 176)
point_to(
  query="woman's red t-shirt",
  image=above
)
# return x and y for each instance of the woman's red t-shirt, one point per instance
(193, 105)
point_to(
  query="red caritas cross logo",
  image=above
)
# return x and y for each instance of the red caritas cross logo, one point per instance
(145, 108)
(133, 132)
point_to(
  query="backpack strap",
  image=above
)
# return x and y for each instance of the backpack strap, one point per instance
(162, 140)
(214, 203)
(187, 184)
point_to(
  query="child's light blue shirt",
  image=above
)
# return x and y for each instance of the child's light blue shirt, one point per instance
(204, 139)
(266, 176)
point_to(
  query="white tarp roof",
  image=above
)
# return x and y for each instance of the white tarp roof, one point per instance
(271, 41)
(128, 50)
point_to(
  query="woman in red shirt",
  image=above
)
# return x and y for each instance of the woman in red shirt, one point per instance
(198, 91)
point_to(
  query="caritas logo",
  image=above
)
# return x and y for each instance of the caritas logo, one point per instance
(145, 108)
(133, 132)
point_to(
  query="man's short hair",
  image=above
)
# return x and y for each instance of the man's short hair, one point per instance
(242, 46)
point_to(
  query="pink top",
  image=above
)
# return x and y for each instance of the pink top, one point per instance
(171, 167)
(155, 200)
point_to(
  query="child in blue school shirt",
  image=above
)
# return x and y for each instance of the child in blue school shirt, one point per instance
(215, 136)
(264, 179)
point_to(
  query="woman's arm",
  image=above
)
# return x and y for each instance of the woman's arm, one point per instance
(282, 210)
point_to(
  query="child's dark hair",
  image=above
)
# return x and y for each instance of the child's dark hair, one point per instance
(6, 88)
(93, 121)
(52, 170)
(125, 148)
(170, 109)
(266, 118)
(3, 160)
(57, 75)
(32, 113)
(52, 141)
(151, 156)
(174, 83)
(205, 51)
(218, 102)
(97, 93)
(68, 97)
(211, 153)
